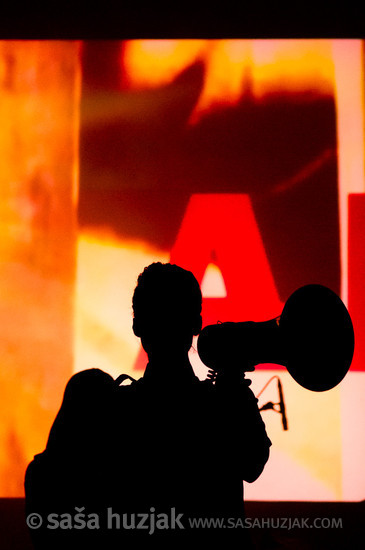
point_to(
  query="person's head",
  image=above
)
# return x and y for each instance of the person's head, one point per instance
(167, 305)
(84, 413)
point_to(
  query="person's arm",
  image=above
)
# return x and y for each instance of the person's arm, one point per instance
(245, 438)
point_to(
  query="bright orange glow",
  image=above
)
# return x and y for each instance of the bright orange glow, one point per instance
(39, 106)
(61, 316)
(157, 62)
(292, 65)
(227, 64)
(307, 460)
(233, 67)
(104, 290)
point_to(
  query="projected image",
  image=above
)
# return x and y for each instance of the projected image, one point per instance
(226, 157)
(175, 134)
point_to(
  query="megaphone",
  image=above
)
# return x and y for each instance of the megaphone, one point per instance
(313, 338)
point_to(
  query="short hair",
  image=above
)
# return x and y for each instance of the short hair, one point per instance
(167, 288)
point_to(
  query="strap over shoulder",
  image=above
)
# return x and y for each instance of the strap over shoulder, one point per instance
(122, 377)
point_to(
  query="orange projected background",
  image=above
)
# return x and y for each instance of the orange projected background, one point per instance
(232, 158)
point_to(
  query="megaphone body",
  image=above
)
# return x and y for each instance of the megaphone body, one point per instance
(313, 338)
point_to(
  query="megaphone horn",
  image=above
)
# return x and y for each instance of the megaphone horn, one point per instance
(313, 338)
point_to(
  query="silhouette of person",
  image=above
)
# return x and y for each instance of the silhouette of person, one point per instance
(168, 447)
(191, 443)
(69, 476)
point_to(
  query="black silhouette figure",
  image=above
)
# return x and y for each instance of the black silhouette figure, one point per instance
(168, 447)
(70, 476)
